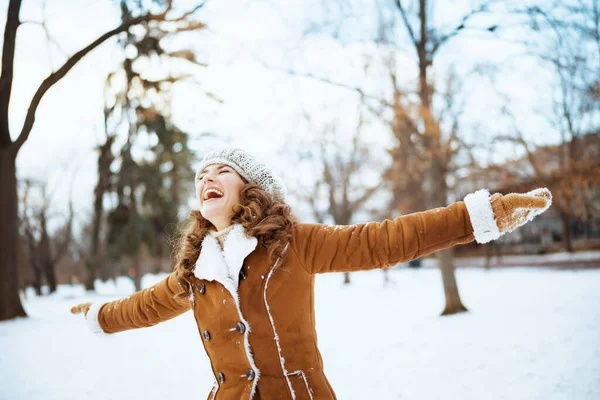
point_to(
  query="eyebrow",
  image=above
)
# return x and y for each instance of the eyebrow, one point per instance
(220, 167)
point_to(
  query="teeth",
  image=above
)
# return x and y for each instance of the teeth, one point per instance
(214, 191)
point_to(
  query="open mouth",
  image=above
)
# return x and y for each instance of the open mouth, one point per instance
(212, 194)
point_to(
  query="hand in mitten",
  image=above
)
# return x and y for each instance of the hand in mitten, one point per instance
(81, 308)
(514, 210)
(492, 216)
(91, 317)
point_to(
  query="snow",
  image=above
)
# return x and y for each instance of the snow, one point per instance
(511, 260)
(530, 334)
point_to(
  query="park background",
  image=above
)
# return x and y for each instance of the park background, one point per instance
(368, 110)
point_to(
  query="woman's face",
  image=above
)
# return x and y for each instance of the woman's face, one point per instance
(220, 187)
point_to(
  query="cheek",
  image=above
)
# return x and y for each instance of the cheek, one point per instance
(235, 196)
(234, 187)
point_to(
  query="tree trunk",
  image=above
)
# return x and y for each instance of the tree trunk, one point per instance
(46, 259)
(453, 302)
(37, 282)
(488, 255)
(105, 159)
(10, 302)
(37, 274)
(566, 231)
(438, 196)
(386, 277)
(436, 171)
(50, 274)
(137, 280)
(34, 262)
(346, 278)
(137, 276)
(24, 273)
(90, 273)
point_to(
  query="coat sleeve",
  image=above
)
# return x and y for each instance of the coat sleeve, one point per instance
(323, 248)
(145, 308)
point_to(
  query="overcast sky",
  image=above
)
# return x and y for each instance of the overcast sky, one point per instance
(245, 45)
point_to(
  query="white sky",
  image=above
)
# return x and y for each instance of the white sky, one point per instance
(262, 109)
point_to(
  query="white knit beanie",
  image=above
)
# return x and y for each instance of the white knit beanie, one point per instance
(248, 167)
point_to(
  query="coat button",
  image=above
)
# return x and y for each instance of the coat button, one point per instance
(250, 374)
(206, 335)
(243, 274)
(221, 377)
(202, 288)
(240, 327)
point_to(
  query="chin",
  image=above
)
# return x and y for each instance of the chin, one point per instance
(209, 212)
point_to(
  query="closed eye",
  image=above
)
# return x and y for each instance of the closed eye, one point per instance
(200, 177)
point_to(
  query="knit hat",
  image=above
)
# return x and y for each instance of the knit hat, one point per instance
(248, 167)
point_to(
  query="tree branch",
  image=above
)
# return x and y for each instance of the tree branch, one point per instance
(367, 194)
(71, 62)
(49, 39)
(407, 23)
(192, 11)
(444, 38)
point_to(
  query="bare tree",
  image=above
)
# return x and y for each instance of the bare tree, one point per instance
(336, 193)
(10, 303)
(567, 40)
(425, 147)
(31, 236)
(45, 249)
(148, 190)
(95, 257)
(571, 169)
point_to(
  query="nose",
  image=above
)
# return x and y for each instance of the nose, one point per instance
(208, 177)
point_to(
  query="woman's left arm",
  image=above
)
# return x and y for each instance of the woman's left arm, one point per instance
(480, 217)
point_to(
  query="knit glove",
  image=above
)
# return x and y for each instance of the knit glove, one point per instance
(514, 210)
(492, 216)
(90, 311)
(81, 308)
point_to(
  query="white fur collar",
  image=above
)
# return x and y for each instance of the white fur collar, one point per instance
(224, 266)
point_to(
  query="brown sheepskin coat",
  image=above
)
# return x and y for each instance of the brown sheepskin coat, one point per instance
(258, 328)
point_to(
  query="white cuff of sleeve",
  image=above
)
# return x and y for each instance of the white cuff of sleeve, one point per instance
(482, 216)
(91, 319)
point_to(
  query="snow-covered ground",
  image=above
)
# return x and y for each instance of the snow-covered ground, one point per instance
(561, 258)
(530, 334)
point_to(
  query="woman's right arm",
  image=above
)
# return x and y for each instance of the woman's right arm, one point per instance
(145, 308)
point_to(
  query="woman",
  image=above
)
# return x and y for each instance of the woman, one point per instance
(246, 268)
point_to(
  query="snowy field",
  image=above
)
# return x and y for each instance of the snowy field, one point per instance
(530, 334)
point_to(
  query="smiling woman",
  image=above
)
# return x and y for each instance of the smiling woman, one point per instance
(246, 269)
(219, 191)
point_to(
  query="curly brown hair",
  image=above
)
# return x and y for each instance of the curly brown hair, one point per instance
(268, 219)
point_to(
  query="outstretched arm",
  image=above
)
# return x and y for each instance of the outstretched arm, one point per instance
(480, 217)
(145, 308)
